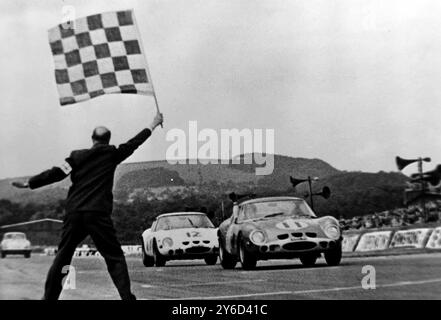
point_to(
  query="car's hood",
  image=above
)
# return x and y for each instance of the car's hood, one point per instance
(284, 224)
(188, 233)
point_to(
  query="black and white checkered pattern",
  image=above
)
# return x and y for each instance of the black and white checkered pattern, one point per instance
(99, 54)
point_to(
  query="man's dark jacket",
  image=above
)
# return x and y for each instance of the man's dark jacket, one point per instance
(92, 172)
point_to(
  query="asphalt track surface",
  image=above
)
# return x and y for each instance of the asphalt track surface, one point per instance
(416, 276)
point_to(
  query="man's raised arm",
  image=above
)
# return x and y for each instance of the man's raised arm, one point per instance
(126, 149)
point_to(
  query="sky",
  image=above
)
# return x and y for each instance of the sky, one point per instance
(351, 82)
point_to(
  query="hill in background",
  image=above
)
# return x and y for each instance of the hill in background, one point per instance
(159, 174)
(353, 193)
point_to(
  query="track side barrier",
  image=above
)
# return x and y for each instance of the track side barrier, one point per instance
(350, 241)
(434, 241)
(50, 251)
(134, 250)
(413, 238)
(419, 237)
(131, 250)
(80, 252)
(373, 241)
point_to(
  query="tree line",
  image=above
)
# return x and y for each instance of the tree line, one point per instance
(132, 218)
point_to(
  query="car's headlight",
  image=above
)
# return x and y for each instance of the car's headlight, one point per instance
(332, 231)
(167, 242)
(258, 237)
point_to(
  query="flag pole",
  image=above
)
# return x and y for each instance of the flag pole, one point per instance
(145, 60)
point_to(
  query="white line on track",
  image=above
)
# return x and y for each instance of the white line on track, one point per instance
(262, 294)
(204, 283)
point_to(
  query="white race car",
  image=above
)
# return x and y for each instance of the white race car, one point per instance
(15, 243)
(177, 236)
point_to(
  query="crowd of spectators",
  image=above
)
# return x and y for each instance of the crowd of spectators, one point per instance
(393, 218)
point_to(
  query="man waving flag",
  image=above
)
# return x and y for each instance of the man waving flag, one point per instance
(93, 56)
(99, 54)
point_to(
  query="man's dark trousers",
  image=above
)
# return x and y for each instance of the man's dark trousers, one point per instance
(99, 226)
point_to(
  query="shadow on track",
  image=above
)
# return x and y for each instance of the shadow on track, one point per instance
(298, 266)
(261, 268)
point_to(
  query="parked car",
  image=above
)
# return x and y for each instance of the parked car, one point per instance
(277, 228)
(15, 243)
(179, 235)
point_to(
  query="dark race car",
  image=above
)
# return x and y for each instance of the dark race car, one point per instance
(277, 228)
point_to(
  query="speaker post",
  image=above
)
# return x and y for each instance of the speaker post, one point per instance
(325, 193)
(310, 193)
(402, 163)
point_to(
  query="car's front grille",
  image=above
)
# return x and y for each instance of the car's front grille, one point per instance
(311, 234)
(198, 249)
(186, 243)
(299, 245)
(283, 236)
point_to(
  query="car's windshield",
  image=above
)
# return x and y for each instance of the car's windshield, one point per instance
(184, 221)
(268, 209)
(14, 236)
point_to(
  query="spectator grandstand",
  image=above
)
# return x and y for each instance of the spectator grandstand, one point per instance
(398, 217)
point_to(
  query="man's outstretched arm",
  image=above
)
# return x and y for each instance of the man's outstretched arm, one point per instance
(46, 177)
(125, 150)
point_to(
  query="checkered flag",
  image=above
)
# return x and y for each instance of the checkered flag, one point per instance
(99, 54)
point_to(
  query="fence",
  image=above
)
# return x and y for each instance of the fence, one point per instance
(425, 237)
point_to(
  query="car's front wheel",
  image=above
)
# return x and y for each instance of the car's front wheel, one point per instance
(247, 260)
(3, 254)
(333, 256)
(308, 260)
(147, 261)
(157, 257)
(211, 260)
(227, 260)
(27, 255)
